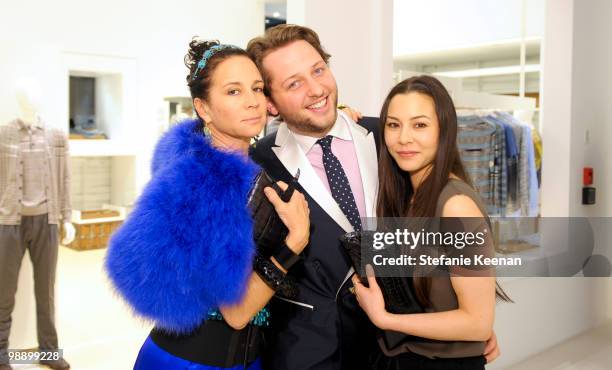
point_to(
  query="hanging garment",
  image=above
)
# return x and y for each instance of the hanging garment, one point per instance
(499, 154)
(476, 141)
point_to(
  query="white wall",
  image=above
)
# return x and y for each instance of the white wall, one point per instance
(592, 116)
(546, 311)
(35, 35)
(420, 26)
(591, 105)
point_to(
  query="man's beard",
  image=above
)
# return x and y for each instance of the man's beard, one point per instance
(305, 124)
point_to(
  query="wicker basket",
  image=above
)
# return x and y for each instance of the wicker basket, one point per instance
(94, 228)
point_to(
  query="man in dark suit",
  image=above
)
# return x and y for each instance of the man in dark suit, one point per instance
(323, 327)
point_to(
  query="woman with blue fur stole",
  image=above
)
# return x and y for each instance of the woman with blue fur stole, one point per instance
(185, 257)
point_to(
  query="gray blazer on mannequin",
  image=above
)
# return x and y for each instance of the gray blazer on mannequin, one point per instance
(11, 175)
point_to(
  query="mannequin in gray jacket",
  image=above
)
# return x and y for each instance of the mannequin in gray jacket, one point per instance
(35, 188)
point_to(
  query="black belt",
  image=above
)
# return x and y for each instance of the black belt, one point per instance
(214, 343)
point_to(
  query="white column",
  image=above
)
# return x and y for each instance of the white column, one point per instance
(557, 56)
(359, 36)
(576, 113)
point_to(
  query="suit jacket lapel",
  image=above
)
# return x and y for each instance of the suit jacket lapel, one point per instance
(293, 158)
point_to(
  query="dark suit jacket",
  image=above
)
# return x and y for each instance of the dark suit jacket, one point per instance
(324, 327)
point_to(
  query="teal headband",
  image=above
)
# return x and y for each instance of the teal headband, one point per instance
(208, 54)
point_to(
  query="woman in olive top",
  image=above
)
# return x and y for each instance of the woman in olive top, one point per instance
(421, 175)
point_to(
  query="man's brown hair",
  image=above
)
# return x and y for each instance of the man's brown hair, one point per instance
(279, 36)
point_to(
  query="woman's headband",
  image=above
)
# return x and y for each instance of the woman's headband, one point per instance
(208, 54)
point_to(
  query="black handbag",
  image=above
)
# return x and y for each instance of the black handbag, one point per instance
(268, 230)
(398, 292)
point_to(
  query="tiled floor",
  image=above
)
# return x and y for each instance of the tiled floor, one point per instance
(588, 351)
(98, 332)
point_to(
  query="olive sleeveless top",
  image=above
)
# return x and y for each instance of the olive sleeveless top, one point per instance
(442, 296)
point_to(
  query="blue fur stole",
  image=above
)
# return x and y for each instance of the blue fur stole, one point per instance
(187, 246)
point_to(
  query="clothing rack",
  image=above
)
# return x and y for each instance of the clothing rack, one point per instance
(499, 155)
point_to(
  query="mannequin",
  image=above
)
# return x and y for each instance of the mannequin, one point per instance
(35, 183)
(29, 99)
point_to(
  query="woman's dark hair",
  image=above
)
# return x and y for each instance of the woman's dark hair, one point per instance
(393, 201)
(199, 84)
(397, 197)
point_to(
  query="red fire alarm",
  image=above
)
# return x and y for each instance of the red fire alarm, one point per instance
(588, 192)
(587, 176)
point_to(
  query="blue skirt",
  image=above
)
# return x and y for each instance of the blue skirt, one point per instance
(151, 357)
